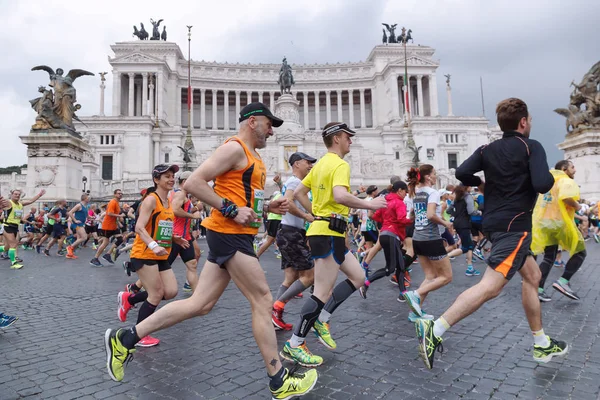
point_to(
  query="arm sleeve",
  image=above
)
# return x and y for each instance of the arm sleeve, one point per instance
(541, 178)
(467, 170)
(341, 176)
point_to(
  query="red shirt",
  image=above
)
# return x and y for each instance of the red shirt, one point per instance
(393, 217)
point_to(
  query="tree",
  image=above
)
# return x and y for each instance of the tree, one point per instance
(12, 168)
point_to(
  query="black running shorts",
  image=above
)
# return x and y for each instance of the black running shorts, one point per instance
(273, 227)
(370, 236)
(11, 228)
(509, 251)
(186, 254)
(448, 237)
(223, 246)
(432, 249)
(476, 228)
(48, 229)
(410, 229)
(58, 231)
(293, 248)
(107, 234)
(324, 246)
(91, 229)
(138, 263)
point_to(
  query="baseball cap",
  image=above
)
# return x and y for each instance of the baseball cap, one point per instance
(297, 156)
(337, 127)
(257, 108)
(185, 175)
(371, 189)
(443, 192)
(160, 169)
(399, 185)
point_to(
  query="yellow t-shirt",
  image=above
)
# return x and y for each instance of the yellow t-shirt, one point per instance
(328, 172)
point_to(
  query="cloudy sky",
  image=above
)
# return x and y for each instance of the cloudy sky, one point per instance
(529, 49)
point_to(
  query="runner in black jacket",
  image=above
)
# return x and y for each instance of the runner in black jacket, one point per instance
(515, 170)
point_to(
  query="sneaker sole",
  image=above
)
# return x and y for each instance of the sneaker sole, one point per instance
(412, 306)
(9, 324)
(108, 354)
(548, 358)
(544, 300)
(146, 345)
(564, 292)
(422, 344)
(291, 396)
(320, 339)
(278, 327)
(291, 359)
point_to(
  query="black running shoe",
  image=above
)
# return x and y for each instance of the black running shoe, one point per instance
(95, 262)
(108, 258)
(544, 298)
(428, 342)
(555, 348)
(127, 267)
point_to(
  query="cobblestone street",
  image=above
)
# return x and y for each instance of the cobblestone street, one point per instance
(56, 349)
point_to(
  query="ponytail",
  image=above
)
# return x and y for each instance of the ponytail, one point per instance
(413, 177)
(151, 189)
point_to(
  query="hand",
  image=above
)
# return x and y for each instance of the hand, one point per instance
(448, 225)
(181, 241)
(77, 221)
(277, 178)
(279, 206)
(4, 203)
(197, 215)
(310, 218)
(362, 188)
(377, 203)
(42, 192)
(159, 251)
(245, 216)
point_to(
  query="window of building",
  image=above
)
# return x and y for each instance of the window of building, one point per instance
(101, 139)
(452, 160)
(166, 158)
(107, 168)
(397, 155)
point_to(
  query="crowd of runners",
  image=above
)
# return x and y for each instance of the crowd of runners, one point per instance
(508, 208)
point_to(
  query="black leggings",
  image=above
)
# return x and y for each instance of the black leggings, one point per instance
(572, 266)
(394, 261)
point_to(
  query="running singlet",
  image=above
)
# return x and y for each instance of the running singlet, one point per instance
(182, 225)
(81, 215)
(160, 229)
(110, 223)
(59, 215)
(425, 229)
(328, 172)
(14, 214)
(244, 187)
(273, 216)
(91, 218)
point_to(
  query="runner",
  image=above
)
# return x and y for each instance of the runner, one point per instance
(393, 231)
(516, 171)
(78, 216)
(291, 240)
(14, 214)
(235, 167)
(273, 223)
(554, 225)
(329, 181)
(184, 216)
(46, 230)
(427, 240)
(91, 226)
(29, 228)
(462, 210)
(59, 217)
(109, 228)
(477, 225)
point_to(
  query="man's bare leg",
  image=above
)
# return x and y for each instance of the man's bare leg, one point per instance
(191, 273)
(531, 304)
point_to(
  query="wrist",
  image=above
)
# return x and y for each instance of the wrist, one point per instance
(229, 209)
(152, 245)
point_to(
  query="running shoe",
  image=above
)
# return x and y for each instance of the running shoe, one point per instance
(565, 289)
(3, 256)
(295, 384)
(412, 317)
(16, 265)
(477, 253)
(545, 354)
(186, 287)
(363, 291)
(148, 341)
(278, 322)
(94, 246)
(559, 264)
(127, 267)
(407, 280)
(117, 355)
(401, 298)
(472, 272)
(46, 252)
(18, 259)
(414, 302)
(95, 262)
(71, 257)
(323, 334)
(393, 280)
(428, 342)
(300, 355)
(108, 258)
(124, 305)
(596, 238)
(38, 249)
(61, 252)
(543, 297)
(7, 320)
(129, 289)
(115, 254)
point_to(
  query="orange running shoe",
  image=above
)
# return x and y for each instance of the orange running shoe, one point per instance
(148, 341)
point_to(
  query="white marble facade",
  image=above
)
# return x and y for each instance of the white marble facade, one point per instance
(149, 113)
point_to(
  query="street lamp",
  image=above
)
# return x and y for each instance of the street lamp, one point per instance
(84, 181)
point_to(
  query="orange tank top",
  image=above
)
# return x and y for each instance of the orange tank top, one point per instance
(244, 187)
(160, 228)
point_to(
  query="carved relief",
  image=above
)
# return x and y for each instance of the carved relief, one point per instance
(46, 174)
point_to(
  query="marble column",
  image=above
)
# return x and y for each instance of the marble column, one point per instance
(305, 101)
(191, 122)
(151, 97)
(116, 104)
(215, 121)
(138, 100)
(157, 152)
(340, 109)
(145, 93)
(248, 98)
(130, 109)
(178, 110)
(363, 112)
(395, 97)
(226, 109)
(317, 111)
(272, 101)
(237, 109)
(373, 110)
(260, 96)
(410, 97)
(202, 108)
(449, 94)
(160, 90)
(433, 98)
(102, 87)
(420, 95)
(351, 107)
(328, 105)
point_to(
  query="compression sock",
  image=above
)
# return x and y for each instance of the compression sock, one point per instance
(12, 254)
(308, 315)
(146, 310)
(294, 289)
(129, 337)
(138, 297)
(281, 291)
(341, 292)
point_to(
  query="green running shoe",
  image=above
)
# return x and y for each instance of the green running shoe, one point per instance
(412, 317)
(414, 302)
(428, 342)
(300, 355)
(117, 355)
(545, 354)
(295, 384)
(323, 334)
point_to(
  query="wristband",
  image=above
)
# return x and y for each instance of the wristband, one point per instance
(229, 209)
(152, 245)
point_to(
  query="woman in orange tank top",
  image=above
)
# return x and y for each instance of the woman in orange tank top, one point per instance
(151, 248)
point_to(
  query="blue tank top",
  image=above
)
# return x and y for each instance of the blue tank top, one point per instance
(82, 214)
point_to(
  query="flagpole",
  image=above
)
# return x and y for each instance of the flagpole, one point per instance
(407, 124)
(188, 138)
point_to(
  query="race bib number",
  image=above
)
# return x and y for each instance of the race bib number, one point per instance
(421, 220)
(164, 234)
(259, 200)
(63, 221)
(18, 213)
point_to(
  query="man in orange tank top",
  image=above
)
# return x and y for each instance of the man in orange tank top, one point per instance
(237, 199)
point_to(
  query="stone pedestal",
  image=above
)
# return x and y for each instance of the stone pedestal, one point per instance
(55, 163)
(583, 150)
(289, 137)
